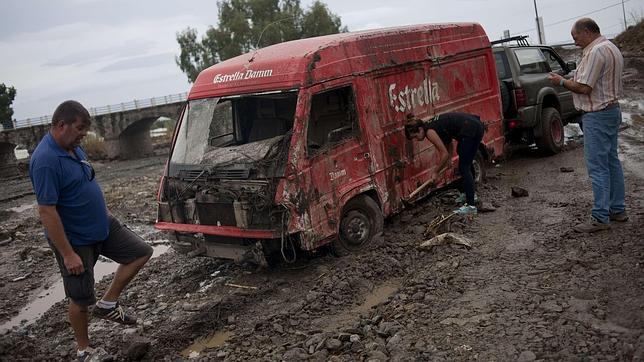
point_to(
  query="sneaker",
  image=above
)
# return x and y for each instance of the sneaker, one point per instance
(591, 226)
(466, 210)
(116, 314)
(619, 217)
(461, 199)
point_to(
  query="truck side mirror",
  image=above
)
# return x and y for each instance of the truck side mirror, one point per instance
(571, 65)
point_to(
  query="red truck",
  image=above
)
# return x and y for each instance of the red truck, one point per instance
(302, 144)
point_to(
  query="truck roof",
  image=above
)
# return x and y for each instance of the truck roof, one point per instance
(308, 61)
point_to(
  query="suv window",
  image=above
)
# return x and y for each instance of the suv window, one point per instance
(531, 61)
(502, 66)
(553, 61)
(332, 119)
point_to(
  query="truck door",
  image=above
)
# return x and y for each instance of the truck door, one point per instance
(336, 155)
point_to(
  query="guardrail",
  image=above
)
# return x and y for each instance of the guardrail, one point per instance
(121, 107)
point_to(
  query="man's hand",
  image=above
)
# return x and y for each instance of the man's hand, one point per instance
(555, 78)
(74, 264)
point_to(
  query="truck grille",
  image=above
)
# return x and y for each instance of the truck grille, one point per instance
(237, 174)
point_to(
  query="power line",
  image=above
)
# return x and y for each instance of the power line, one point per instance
(576, 17)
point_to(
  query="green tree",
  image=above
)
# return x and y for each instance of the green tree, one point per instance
(7, 95)
(245, 25)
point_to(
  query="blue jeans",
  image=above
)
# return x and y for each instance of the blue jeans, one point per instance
(604, 168)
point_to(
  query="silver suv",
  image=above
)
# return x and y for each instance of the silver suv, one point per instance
(534, 110)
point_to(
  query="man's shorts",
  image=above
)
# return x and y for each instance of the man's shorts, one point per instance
(122, 245)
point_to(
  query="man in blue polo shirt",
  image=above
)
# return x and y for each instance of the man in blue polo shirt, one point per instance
(77, 224)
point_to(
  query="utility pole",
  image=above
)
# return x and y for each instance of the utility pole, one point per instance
(539, 24)
(623, 13)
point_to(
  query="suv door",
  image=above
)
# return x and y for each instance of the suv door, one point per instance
(565, 96)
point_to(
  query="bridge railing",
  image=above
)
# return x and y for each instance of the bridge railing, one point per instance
(120, 107)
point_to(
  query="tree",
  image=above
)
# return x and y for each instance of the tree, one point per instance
(7, 95)
(245, 25)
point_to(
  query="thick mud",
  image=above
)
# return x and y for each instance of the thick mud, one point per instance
(528, 288)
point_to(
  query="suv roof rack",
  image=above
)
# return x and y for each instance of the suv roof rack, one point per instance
(520, 39)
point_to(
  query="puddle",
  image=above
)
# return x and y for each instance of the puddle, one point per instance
(214, 341)
(22, 208)
(377, 296)
(572, 132)
(48, 297)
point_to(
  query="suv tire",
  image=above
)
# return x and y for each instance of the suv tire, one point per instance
(552, 135)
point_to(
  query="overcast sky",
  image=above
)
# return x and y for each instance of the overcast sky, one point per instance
(102, 52)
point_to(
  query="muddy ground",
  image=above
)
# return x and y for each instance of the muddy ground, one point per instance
(528, 288)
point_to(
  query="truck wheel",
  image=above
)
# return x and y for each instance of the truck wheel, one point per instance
(361, 224)
(552, 135)
(478, 168)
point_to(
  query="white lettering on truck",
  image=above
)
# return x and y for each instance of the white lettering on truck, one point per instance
(407, 98)
(248, 74)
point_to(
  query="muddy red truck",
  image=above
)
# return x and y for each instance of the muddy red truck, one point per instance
(302, 144)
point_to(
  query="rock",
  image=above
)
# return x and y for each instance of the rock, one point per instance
(387, 329)
(551, 306)
(137, 349)
(377, 356)
(333, 344)
(295, 354)
(221, 354)
(320, 356)
(519, 192)
(486, 207)
(354, 338)
(127, 333)
(5, 242)
(526, 356)
(314, 340)
(231, 319)
(394, 342)
(566, 169)
(278, 328)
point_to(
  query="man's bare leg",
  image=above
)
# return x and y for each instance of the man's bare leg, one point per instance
(78, 319)
(123, 275)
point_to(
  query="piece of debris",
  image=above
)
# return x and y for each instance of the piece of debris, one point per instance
(5, 242)
(21, 278)
(437, 223)
(486, 207)
(519, 192)
(566, 169)
(444, 239)
(239, 286)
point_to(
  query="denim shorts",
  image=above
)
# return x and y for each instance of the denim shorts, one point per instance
(122, 246)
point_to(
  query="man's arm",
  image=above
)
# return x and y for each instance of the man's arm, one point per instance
(56, 233)
(569, 84)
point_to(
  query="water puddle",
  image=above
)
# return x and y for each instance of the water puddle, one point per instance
(48, 297)
(214, 341)
(377, 296)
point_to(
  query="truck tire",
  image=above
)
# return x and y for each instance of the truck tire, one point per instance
(360, 226)
(478, 168)
(552, 135)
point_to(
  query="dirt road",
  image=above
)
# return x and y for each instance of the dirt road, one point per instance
(528, 288)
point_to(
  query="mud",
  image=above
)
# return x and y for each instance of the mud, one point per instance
(529, 288)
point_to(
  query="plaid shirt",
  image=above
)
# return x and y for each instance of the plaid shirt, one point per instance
(601, 69)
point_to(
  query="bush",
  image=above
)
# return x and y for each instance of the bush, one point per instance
(94, 147)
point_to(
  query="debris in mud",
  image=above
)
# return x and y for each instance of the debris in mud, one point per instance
(486, 207)
(20, 278)
(519, 192)
(444, 239)
(566, 169)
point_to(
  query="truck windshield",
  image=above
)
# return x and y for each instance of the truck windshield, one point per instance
(214, 126)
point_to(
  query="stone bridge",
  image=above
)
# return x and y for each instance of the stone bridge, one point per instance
(125, 129)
